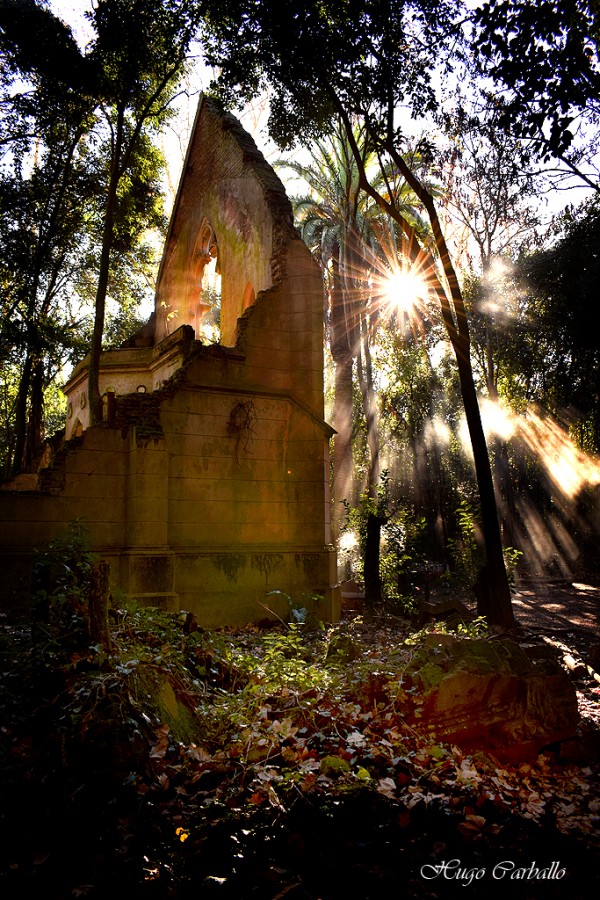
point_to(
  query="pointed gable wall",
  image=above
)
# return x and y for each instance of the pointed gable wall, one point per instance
(229, 203)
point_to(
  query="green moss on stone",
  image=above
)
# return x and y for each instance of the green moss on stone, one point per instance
(309, 563)
(229, 564)
(482, 657)
(156, 694)
(334, 766)
(266, 563)
(502, 657)
(431, 674)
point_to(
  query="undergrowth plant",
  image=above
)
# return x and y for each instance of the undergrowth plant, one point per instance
(403, 545)
(287, 658)
(467, 556)
(474, 629)
(512, 558)
(61, 584)
(404, 553)
(356, 520)
(299, 612)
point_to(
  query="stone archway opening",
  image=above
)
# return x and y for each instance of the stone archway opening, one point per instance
(204, 300)
(208, 315)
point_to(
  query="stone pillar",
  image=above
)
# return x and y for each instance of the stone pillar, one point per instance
(147, 563)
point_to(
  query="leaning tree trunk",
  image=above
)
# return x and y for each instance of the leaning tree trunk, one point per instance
(493, 591)
(494, 600)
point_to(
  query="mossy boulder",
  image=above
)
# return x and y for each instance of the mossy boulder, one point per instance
(334, 766)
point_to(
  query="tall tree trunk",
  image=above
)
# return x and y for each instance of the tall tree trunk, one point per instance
(369, 402)
(342, 414)
(343, 462)
(94, 396)
(493, 591)
(375, 520)
(36, 410)
(21, 415)
(372, 561)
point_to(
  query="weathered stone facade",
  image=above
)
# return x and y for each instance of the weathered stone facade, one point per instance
(206, 485)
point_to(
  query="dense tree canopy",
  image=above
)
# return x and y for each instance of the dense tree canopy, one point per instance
(562, 354)
(80, 182)
(544, 58)
(48, 195)
(546, 54)
(368, 57)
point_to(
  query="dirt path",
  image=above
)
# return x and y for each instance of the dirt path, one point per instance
(555, 605)
(568, 612)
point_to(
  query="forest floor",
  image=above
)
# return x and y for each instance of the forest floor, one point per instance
(274, 764)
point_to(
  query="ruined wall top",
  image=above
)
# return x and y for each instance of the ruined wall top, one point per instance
(231, 216)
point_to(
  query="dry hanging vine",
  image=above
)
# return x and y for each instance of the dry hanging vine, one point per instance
(241, 425)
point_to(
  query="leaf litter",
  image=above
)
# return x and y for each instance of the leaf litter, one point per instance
(287, 738)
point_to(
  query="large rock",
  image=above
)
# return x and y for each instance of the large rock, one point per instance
(492, 695)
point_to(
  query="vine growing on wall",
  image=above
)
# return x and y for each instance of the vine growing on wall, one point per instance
(241, 425)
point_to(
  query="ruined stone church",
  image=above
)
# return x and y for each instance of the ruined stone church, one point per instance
(206, 485)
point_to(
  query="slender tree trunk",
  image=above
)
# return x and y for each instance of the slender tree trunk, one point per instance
(27, 436)
(21, 416)
(367, 391)
(508, 510)
(36, 410)
(343, 463)
(343, 362)
(493, 591)
(94, 396)
(372, 559)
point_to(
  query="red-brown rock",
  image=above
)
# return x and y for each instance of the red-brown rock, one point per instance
(488, 695)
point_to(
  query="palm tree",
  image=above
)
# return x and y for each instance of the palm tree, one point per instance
(331, 219)
(344, 229)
